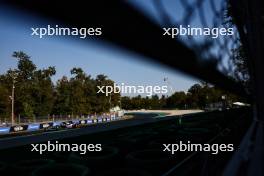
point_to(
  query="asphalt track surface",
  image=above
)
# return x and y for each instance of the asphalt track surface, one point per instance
(31, 137)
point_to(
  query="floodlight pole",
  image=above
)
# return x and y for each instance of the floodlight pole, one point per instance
(120, 101)
(110, 101)
(13, 102)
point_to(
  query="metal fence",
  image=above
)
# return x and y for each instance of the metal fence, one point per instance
(202, 57)
(20, 120)
(206, 14)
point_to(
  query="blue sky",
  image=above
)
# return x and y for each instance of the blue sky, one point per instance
(93, 58)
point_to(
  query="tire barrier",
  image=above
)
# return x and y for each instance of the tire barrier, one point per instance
(124, 172)
(45, 125)
(3, 168)
(153, 161)
(60, 157)
(198, 135)
(190, 124)
(62, 169)
(134, 140)
(83, 122)
(107, 158)
(4, 130)
(56, 125)
(168, 130)
(18, 128)
(34, 127)
(27, 166)
(140, 150)
(194, 131)
(138, 138)
(157, 143)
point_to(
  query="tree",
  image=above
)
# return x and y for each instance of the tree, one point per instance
(177, 100)
(24, 102)
(43, 93)
(194, 96)
(62, 97)
(78, 99)
(5, 105)
(104, 102)
(126, 103)
(33, 88)
(240, 66)
(36, 95)
(25, 65)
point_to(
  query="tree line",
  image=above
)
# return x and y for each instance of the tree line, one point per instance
(36, 95)
(198, 96)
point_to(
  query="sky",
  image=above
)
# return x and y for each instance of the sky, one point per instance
(94, 57)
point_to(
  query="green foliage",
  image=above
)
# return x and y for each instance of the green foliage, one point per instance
(177, 100)
(198, 96)
(27, 110)
(36, 95)
(78, 95)
(240, 71)
(5, 109)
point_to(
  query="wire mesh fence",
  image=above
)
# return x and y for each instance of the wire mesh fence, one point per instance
(209, 17)
(40, 119)
(20, 120)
